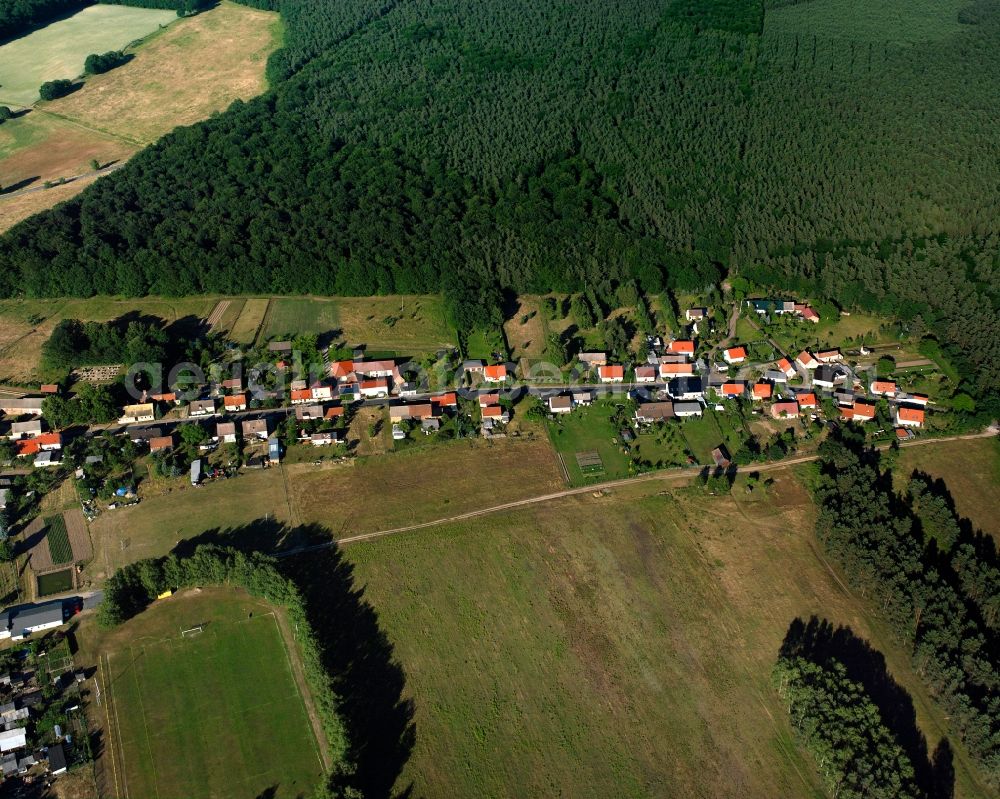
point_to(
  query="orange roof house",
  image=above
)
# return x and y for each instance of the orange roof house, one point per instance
(859, 412)
(496, 373)
(493, 412)
(645, 374)
(334, 412)
(681, 347)
(806, 360)
(785, 408)
(909, 417)
(237, 402)
(735, 355)
(449, 400)
(673, 369)
(883, 387)
(806, 400)
(732, 389)
(785, 366)
(340, 369)
(486, 400)
(302, 395)
(762, 391)
(612, 373)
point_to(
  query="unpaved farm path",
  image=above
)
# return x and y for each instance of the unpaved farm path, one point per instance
(663, 476)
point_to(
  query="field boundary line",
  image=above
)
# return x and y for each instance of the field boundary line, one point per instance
(145, 726)
(103, 674)
(315, 725)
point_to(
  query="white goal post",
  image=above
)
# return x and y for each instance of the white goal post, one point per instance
(192, 631)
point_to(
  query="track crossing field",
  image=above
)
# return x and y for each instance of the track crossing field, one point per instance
(214, 714)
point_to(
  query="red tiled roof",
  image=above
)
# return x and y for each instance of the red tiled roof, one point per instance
(161, 442)
(341, 368)
(785, 365)
(492, 411)
(645, 371)
(488, 399)
(448, 399)
(807, 400)
(496, 372)
(380, 382)
(734, 353)
(733, 388)
(611, 371)
(682, 346)
(789, 407)
(235, 401)
(676, 369)
(334, 412)
(805, 357)
(302, 394)
(883, 386)
(910, 415)
(762, 390)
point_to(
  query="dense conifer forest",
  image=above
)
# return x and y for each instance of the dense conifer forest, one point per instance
(411, 146)
(937, 585)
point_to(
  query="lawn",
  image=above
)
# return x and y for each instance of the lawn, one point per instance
(406, 325)
(218, 714)
(588, 430)
(422, 483)
(59, 50)
(288, 317)
(970, 470)
(705, 434)
(248, 323)
(154, 526)
(618, 645)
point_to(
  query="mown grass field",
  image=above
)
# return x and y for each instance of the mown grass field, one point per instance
(614, 646)
(405, 325)
(706, 433)
(215, 715)
(59, 50)
(158, 523)
(248, 323)
(422, 484)
(970, 470)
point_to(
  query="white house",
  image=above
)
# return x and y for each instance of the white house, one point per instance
(735, 355)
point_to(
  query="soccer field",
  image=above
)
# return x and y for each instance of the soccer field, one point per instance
(215, 714)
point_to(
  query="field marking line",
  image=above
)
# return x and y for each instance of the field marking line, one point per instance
(102, 672)
(298, 690)
(145, 726)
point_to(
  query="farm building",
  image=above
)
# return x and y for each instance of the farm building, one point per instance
(31, 619)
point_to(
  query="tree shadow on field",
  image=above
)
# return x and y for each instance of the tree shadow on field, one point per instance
(819, 641)
(356, 653)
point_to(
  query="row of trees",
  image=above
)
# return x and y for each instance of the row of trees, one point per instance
(133, 587)
(937, 589)
(99, 63)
